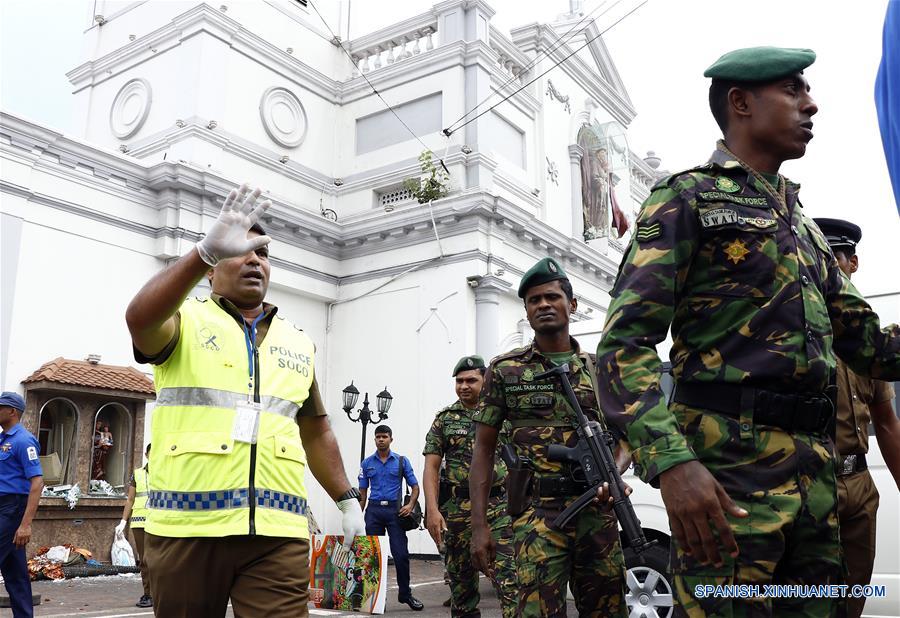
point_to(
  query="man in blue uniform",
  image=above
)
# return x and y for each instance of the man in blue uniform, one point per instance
(21, 482)
(382, 471)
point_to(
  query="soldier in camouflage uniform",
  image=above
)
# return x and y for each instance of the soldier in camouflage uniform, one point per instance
(587, 550)
(724, 254)
(448, 512)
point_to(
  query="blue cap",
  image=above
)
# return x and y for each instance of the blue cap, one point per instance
(13, 400)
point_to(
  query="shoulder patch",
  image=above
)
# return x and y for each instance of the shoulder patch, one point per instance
(511, 354)
(32, 453)
(648, 231)
(444, 410)
(668, 180)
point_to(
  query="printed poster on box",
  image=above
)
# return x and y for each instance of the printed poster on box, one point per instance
(354, 579)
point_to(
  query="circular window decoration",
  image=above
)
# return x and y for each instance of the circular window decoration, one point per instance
(283, 116)
(130, 108)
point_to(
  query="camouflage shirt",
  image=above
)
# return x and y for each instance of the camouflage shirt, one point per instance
(536, 409)
(452, 437)
(753, 295)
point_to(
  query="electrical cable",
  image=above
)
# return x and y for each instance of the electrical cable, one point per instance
(375, 90)
(544, 54)
(448, 132)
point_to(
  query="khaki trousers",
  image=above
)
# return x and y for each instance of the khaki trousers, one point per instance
(138, 534)
(857, 505)
(195, 577)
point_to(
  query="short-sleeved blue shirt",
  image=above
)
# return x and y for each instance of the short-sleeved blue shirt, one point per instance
(19, 460)
(384, 478)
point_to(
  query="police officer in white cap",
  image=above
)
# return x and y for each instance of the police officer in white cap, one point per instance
(21, 482)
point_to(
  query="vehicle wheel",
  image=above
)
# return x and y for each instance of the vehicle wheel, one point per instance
(648, 586)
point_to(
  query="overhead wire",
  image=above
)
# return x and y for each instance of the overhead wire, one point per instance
(543, 54)
(449, 132)
(371, 85)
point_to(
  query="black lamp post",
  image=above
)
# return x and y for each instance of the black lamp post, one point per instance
(365, 415)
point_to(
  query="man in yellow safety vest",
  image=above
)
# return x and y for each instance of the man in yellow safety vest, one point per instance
(238, 418)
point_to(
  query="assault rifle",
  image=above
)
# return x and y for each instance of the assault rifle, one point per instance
(594, 455)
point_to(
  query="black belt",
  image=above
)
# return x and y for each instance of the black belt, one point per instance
(462, 491)
(555, 486)
(802, 412)
(851, 464)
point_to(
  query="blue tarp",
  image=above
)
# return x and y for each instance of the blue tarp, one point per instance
(887, 95)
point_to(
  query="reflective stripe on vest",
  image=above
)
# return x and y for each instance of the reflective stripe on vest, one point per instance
(227, 499)
(139, 508)
(195, 459)
(187, 396)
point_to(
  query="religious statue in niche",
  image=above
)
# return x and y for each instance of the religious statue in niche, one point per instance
(605, 151)
(103, 442)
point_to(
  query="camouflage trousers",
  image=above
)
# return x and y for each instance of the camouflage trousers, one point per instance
(464, 593)
(786, 483)
(586, 553)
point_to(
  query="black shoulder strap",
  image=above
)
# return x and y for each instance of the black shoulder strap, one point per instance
(400, 472)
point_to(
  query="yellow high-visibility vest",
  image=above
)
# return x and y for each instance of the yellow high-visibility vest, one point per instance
(139, 508)
(205, 482)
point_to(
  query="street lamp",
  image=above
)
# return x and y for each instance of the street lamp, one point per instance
(364, 415)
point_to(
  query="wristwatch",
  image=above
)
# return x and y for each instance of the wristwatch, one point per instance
(353, 492)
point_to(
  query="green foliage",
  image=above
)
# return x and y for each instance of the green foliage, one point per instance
(433, 186)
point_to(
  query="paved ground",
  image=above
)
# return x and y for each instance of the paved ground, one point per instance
(114, 596)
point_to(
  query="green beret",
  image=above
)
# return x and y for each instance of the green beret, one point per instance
(468, 362)
(545, 270)
(839, 233)
(760, 64)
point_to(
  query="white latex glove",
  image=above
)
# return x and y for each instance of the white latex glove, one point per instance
(352, 522)
(120, 529)
(228, 235)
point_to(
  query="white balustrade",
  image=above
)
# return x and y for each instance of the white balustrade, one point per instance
(389, 46)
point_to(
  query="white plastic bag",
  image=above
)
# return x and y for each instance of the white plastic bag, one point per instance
(58, 553)
(121, 552)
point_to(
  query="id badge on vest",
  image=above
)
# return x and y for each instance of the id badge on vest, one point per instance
(246, 422)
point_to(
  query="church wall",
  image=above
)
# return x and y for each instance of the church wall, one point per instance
(70, 297)
(374, 341)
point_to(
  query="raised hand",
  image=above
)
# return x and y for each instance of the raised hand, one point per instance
(228, 235)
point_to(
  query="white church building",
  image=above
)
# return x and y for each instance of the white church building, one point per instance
(180, 101)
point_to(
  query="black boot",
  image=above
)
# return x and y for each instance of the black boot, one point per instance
(414, 603)
(145, 601)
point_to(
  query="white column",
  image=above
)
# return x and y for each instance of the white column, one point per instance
(487, 315)
(576, 153)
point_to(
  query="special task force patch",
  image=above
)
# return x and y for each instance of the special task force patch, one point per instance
(648, 231)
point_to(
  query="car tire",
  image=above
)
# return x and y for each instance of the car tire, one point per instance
(648, 583)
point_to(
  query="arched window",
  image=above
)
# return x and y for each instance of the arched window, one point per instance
(58, 426)
(111, 445)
